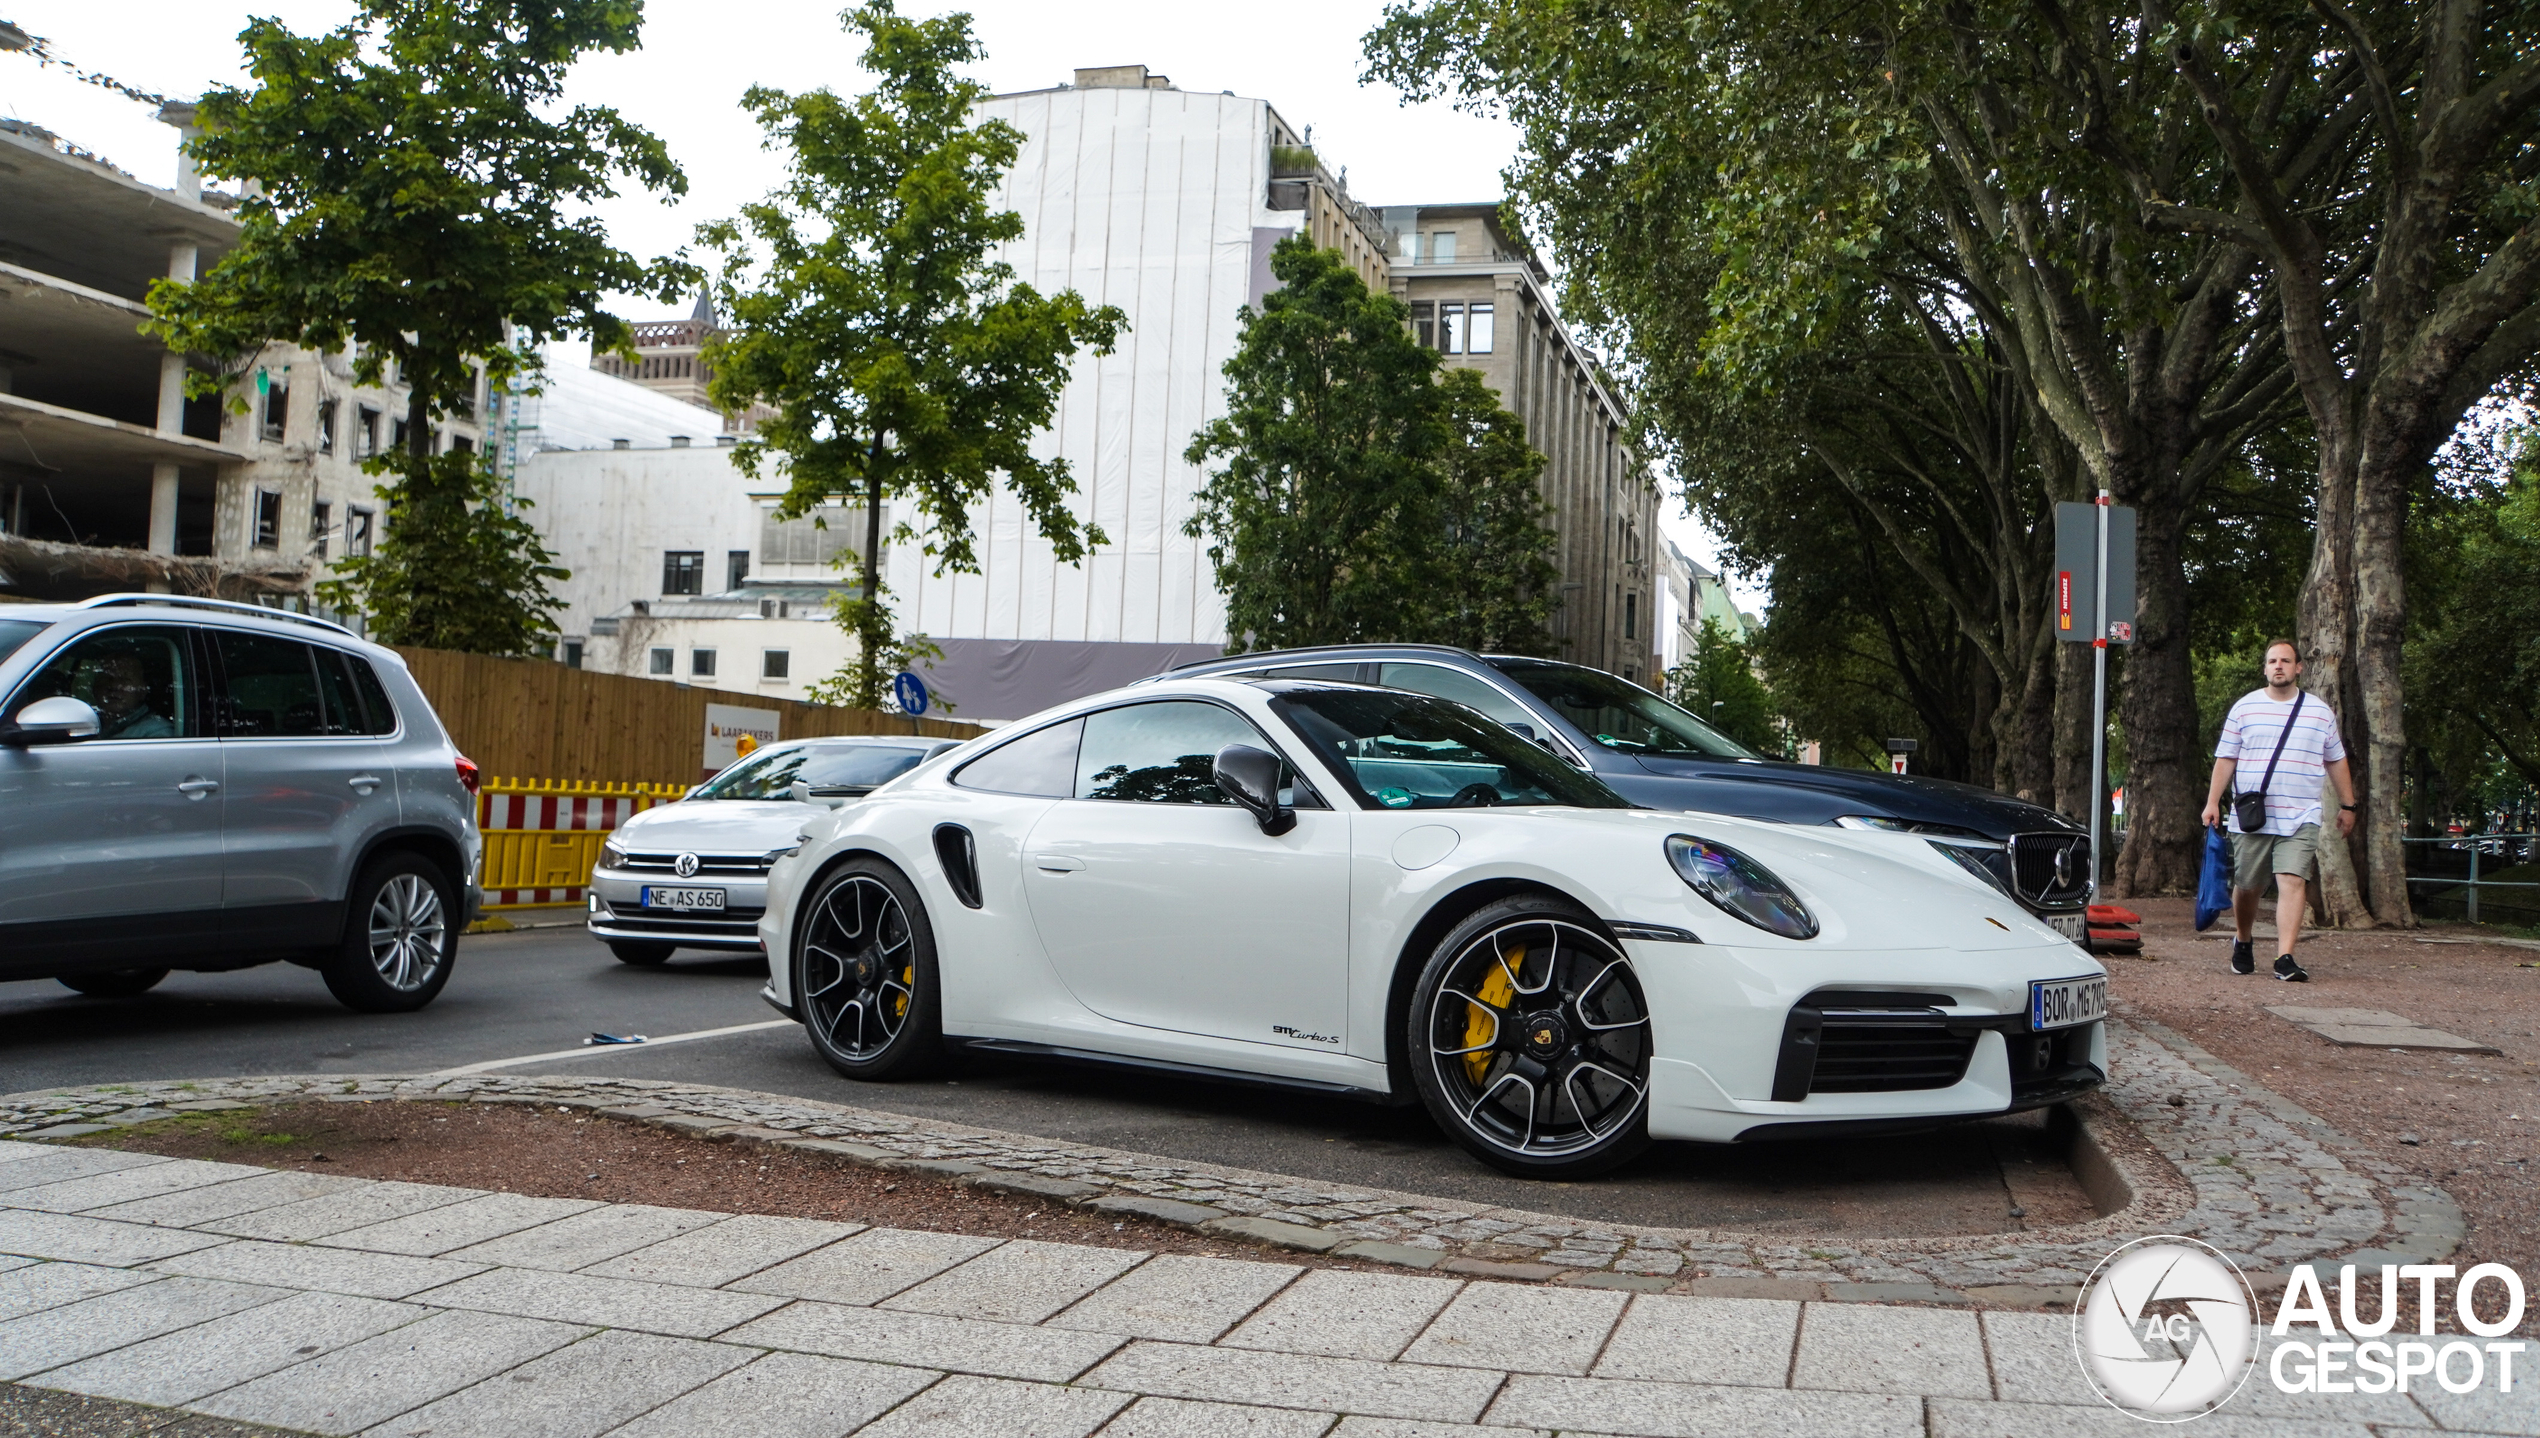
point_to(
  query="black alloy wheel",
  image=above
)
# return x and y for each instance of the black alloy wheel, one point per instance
(642, 955)
(1529, 1040)
(864, 974)
(115, 983)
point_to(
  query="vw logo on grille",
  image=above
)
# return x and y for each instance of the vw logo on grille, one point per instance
(685, 866)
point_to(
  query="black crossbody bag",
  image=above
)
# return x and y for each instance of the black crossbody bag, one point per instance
(2251, 808)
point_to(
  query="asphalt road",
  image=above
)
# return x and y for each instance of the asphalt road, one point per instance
(541, 991)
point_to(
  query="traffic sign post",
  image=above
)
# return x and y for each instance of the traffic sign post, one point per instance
(1897, 749)
(909, 692)
(2094, 603)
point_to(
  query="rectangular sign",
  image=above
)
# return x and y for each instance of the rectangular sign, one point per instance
(727, 725)
(2077, 573)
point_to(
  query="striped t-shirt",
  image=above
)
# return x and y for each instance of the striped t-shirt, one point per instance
(2248, 738)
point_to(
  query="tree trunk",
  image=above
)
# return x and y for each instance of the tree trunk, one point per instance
(2324, 620)
(870, 619)
(2027, 764)
(2380, 631)
(2072, 731)
(2164, 801)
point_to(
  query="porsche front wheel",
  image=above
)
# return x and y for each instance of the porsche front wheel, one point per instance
(864, 974)
(1529, 1040)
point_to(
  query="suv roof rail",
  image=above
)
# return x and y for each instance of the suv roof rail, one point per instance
(1286, 655)
(230, 606)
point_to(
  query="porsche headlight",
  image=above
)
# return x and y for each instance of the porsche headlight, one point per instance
(1740, 886)
(1871, 821)
(1967, 857)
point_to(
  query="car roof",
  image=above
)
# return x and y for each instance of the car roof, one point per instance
(1197, 667)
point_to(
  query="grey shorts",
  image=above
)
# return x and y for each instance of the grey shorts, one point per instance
(2255, 856)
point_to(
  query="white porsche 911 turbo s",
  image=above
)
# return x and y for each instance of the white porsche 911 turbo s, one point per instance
(1377, 893)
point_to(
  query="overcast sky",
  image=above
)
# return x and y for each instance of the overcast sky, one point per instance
(699, 55)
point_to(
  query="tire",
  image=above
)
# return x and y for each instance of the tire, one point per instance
(641, 955)
(115, 983)
(864, 974)
(1529, 1041)
(401, 937)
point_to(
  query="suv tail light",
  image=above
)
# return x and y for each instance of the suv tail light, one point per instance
(467, 773)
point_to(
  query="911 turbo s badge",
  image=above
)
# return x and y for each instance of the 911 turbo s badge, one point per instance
(1285, 1032)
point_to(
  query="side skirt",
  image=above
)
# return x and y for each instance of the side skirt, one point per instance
(1051, 1053)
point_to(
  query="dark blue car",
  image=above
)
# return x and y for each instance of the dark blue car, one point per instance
(1658, 755)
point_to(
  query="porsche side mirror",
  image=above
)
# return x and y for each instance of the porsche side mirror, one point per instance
(831, 796)
(58, 720)
(1250, 777)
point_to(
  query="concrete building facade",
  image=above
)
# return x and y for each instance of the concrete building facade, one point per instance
(110, 478)
(1477, 295)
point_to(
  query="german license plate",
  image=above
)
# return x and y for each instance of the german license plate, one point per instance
(2075, 927)
(657, 898)
(2062, 1003)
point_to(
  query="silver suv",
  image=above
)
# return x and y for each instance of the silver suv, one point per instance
(195, 784)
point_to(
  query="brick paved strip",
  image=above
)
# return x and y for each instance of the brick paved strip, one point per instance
(582, 1239)
(311, 1218)
(785, 1395)
(1341, 1314)
(1534, 1330)
(373, 1381)
(330, 1270)
(578, 1391)
(190, 1364)
(439, 1230)
(34, 1287)
(1868, 1348)
(967, 1407)
(1681, 1410)
(268, 1189)
(1287, 1380)
(1741, 1341)
(93, 1240)
(1181, 1418)
(1020, 1281)
(1958, 1418)
(99, 1190)
(617, 1302)
(1178, 1296)
(53, 1165)
(869, 1267)
(996, 1350)
(67, 1334)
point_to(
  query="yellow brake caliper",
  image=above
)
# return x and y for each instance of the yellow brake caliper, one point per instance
(908, 985)
(1482, 1027)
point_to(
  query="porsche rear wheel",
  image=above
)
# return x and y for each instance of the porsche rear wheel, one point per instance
(864, 974)
(1529, 1040)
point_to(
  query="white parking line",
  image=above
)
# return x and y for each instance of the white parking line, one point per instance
(595, 1050)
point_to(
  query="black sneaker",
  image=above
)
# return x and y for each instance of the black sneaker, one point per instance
(2244, 960)
(2289, 971)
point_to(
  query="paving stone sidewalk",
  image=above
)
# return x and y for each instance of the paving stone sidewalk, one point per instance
(315, 1304)
(2241, 1168)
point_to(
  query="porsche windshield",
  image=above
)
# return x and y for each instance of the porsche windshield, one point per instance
(1409, 751)
(1621, 715)
(771, 775)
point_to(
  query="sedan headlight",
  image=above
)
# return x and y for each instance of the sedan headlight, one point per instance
(1967, 857)
(1740, 886)
(611, 856)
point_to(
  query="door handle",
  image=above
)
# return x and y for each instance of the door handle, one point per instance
(197, 788)
(1057, 863)
(364, 783)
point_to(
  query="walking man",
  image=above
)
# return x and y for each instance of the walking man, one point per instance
(2279, 742)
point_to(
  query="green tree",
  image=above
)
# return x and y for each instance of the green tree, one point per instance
(415, 175)
(1364, 493)
(1717, 683)
(2474, 681)
(902, 360)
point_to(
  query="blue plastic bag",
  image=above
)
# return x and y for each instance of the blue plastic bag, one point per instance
(2213, 886)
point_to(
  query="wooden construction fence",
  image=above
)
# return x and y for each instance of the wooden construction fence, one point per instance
(535, 716)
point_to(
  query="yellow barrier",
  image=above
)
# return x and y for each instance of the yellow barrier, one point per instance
(543, 836)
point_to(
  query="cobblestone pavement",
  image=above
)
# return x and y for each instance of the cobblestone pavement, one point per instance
(218, 1296)
(2239, 1167)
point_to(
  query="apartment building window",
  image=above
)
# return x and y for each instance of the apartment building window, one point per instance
(683, 571)
(277, 406)
(1424, 323)
(356, 532)
(1442, 248)
(1477, 329)
(1631, 616)
(326, 426)
(1450, 329)
(736, 567)
(701, 663)
(321, 526)
(397, 435)
(664, 661)
(776, 664)
(268, 519)
(462, 444)
(572, 654)
(367, 435)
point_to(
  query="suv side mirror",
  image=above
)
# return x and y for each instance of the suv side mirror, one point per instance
(58, 720)
(1250, 777)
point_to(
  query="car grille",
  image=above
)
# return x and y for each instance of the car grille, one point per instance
(2050, 870)
(1889, 1056)
(723, 865)
(727, 924)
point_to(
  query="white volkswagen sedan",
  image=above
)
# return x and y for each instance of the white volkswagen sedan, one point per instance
(1371, 892)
